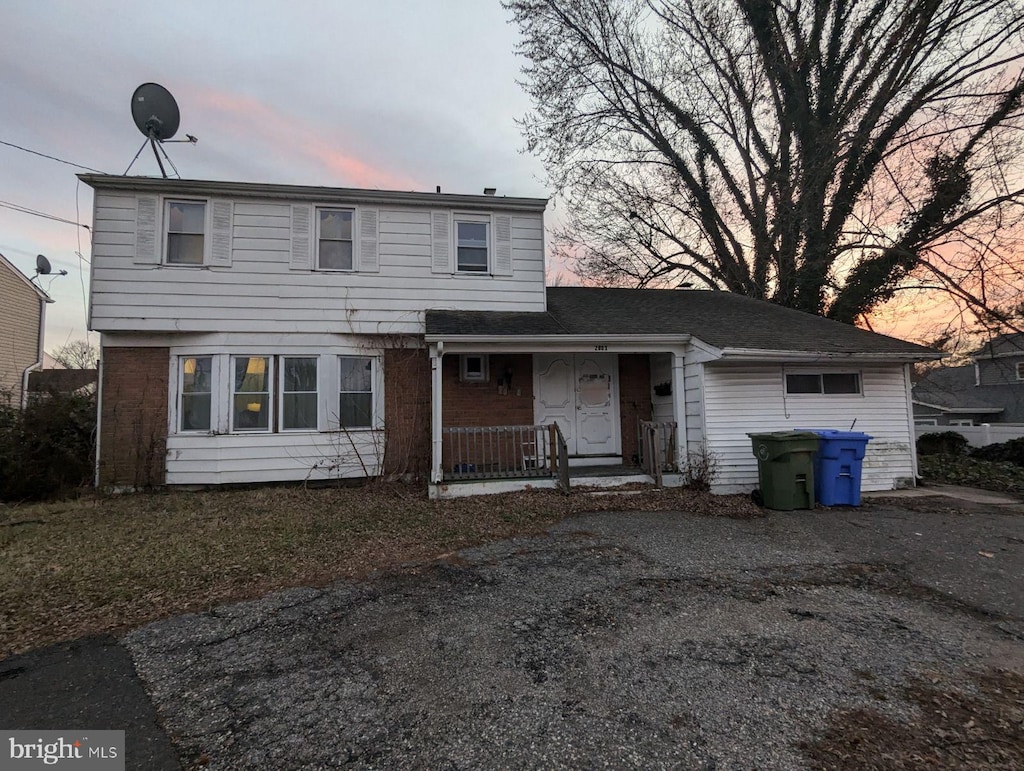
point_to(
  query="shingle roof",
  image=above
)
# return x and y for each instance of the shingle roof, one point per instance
(721, 319)
(1002, 345)
(951, 388)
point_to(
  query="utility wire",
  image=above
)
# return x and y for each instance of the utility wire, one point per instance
(51, 157)
(25, 210)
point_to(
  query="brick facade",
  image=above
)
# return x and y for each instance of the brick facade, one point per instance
(634, 399)
(133, 417)
(480, 404)
(406, 411)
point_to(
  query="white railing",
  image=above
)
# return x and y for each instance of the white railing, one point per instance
(978, 436)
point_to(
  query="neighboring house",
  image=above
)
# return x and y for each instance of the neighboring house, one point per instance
(253, 333)
(22, 321)
(62, 381)
(990, 390)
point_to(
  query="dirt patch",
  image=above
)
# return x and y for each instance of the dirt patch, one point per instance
(976, 725)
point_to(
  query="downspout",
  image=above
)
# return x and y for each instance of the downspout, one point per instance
(99, 416)
(39, 355)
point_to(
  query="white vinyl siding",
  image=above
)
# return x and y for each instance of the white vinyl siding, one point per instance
(742, 399)
(263, 291)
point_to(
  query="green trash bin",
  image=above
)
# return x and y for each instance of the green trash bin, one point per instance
(785, 468)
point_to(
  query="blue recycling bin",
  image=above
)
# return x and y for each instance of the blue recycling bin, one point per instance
(838, 465)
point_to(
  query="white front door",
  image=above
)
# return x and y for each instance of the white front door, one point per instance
(579, 391)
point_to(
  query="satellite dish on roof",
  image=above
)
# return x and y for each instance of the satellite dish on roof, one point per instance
(155, 111)
(156, 115)
(43, 267)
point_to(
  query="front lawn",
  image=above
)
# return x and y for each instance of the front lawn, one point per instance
(109, 563)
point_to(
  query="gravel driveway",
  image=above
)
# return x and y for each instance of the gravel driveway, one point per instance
(617, 640)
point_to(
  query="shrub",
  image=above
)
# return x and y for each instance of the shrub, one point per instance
(46, 450)
(941, 443)
(700, 469)
(1005, 452)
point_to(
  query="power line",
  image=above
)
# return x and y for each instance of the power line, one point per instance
(50, 157)
(35, 213)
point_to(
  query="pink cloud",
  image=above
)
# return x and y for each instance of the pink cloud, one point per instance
(306, 138)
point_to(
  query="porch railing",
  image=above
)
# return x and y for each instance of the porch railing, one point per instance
(505, 452)
(657, 448)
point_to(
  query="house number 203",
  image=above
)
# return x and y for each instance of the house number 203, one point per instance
(600, 347)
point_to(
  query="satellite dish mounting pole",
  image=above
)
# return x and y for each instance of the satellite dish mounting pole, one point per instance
(152, 143)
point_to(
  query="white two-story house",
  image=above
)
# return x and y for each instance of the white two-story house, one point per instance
(257, 332)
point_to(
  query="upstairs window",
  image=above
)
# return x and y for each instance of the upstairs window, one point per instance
(1020, 370)
(334, 239)
(471, 246)
(823, 383)
(186, 226)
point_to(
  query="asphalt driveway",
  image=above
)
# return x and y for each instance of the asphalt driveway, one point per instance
(617, 640)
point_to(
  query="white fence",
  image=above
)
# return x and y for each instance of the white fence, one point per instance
(979, 436)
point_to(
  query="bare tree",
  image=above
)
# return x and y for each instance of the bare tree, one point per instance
(78, 354)
(820, 154)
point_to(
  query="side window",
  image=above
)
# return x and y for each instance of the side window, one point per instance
(355, 399)
(1020, 370)
(298, 393)
(334, 239)
(185, 232)
(471, 246)
(833, 383)
(196, 393)
(250, 393)
(473, 368)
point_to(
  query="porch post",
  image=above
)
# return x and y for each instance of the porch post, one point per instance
(436, 443)
(679, 404)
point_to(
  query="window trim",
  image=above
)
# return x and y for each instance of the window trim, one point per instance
(164, 230)
(961, 422)
(279, 396)
(464, 374)
(271, 375)
(317, 208)
(926, 422)
(375, 393)
(473, 219)
(821, 384)
(1020, 370)
(180, 373)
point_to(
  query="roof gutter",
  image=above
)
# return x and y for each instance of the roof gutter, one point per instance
(542, 340)
(961, 410)
(294, 193)
(753, 354)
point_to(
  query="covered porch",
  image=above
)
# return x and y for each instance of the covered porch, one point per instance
(515, 411)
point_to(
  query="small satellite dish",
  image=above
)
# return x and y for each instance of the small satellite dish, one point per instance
(155, 111)
(42, 265)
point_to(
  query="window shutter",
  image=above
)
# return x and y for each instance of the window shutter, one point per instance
(220, 235)
(502, 265)
(147, 248)
(302, 252)
(441, 242)
(369, 254)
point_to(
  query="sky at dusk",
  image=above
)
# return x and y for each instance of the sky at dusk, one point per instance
(382, 94)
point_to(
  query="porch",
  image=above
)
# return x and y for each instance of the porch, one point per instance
(492, 459)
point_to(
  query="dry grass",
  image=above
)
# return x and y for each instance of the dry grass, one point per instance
(106, 564)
